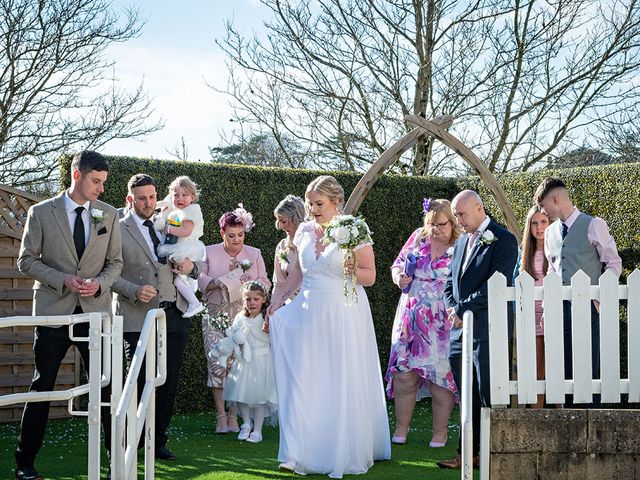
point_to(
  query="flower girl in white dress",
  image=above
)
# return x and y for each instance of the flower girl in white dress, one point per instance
(183, 226)
(251, 382)
(331, 406)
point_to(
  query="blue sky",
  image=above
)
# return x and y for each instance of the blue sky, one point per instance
(176, 56)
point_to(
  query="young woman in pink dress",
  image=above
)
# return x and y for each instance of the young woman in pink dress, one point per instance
(534, 262)
(289, 215)
(419, 359)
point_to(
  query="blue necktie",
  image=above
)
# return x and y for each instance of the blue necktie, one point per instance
(565, 230)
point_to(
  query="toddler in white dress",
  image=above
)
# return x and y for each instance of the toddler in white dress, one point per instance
(251, 381)
(183, 225)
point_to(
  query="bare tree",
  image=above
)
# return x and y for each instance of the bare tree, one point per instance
(522, 78)
(57, 91)
(260, 150)
(180, 150)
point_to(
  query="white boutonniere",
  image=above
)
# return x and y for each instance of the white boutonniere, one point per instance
(97, 215)
(283, 257)
(245, 265)
(487, 237)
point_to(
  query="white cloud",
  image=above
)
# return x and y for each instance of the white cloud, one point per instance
(176, 80)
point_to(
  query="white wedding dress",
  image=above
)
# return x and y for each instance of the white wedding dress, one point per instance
(332, 409)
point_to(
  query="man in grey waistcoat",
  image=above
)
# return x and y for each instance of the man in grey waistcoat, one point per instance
(576, 241)
(146, 282)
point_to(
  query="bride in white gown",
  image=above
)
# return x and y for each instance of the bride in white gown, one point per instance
(331, 404)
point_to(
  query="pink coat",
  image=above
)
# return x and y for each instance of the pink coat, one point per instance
(217, 264)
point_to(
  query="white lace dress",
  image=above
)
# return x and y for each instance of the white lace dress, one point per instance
(331, 403)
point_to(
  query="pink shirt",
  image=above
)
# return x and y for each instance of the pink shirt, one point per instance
(599, 236)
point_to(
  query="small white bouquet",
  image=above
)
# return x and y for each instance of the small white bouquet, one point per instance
(219, 322)
(348, 232)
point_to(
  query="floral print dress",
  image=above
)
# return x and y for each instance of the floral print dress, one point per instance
(420, 337)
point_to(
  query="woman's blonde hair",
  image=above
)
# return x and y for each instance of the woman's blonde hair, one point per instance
(440, 206)
(291, 207)
(189, 185)
(527, 264)
(328, 186)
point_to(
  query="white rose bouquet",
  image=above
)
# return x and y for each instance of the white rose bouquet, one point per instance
(348, 232)
(219, 322)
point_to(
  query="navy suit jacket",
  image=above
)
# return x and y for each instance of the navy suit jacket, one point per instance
(467, 288)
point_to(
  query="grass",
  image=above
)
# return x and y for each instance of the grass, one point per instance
(205, 456)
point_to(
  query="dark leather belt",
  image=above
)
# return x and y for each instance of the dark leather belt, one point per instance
(164, 305)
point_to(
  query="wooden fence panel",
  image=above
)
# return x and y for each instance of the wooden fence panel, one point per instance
(581, 337)
(609, 338)
(16, 354)
(609, 294)
(553, 339)
(499, 338)
(526, 338)
(633, 334)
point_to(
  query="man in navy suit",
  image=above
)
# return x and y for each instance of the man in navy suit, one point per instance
(484, 249)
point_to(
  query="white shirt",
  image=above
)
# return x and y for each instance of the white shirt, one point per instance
(145, 233)
(70, 206)
(478, 232)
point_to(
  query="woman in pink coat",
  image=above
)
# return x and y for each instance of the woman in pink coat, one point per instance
(228, 265)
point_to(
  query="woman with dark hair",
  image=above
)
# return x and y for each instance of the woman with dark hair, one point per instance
(228, 265)
(534, 262)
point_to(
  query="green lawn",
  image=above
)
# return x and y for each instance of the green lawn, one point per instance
(205, 456)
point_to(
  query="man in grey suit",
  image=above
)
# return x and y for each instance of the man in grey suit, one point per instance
(146, 282)
(71, 246)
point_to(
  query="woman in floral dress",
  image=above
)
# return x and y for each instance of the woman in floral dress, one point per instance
(419, 360)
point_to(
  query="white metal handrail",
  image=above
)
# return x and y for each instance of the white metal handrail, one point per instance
(99, 339)
(130, 415)
(466, 407)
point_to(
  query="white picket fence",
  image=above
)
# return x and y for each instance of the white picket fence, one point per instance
(581, 293)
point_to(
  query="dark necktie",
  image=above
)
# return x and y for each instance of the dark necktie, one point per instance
(565, 230)
(78, 232)
(155, 240)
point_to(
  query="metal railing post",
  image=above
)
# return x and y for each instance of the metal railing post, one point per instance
(130, 414)
(466, 412)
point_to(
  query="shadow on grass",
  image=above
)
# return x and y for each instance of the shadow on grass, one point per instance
(205, 456)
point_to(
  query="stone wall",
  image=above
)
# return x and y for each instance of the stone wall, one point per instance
(559, 444)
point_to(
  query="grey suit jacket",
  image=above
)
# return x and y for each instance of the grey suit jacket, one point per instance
(140, 268)
(48, 255)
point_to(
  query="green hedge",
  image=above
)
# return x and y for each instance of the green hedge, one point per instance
(392, 209)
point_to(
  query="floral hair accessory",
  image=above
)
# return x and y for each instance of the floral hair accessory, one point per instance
(245, 217)
(256, 283)
(426, 204)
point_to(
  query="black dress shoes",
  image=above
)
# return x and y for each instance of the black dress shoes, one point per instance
(163, 453)
(27, 473)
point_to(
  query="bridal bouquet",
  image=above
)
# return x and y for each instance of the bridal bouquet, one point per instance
(348, 232)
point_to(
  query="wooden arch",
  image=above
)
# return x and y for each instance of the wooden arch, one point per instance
(437, 128)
